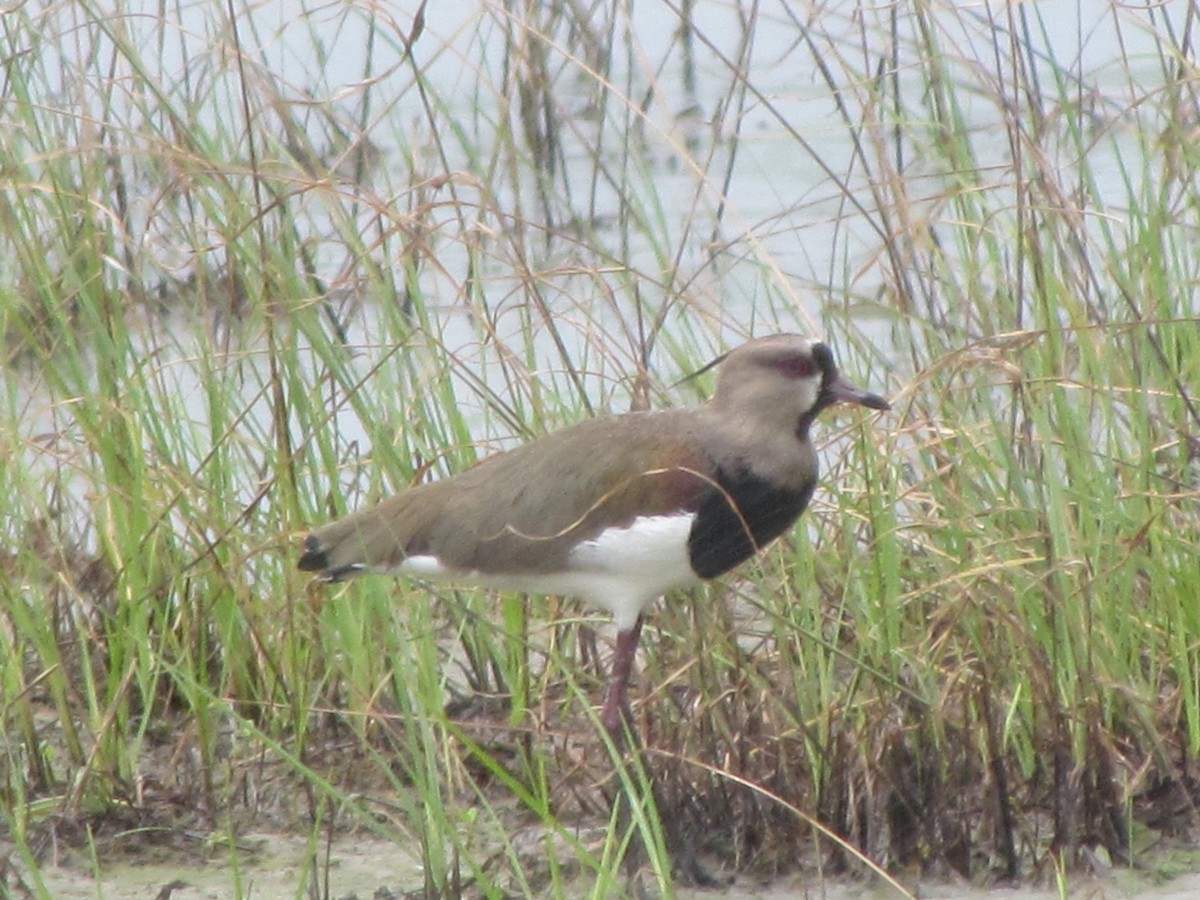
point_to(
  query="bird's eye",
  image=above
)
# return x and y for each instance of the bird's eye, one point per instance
(798, 366)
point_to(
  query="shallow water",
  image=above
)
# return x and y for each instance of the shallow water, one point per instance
(785, 209)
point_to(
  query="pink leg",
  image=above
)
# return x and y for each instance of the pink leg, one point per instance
(616, 703)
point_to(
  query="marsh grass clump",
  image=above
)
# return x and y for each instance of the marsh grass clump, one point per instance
(244, 296)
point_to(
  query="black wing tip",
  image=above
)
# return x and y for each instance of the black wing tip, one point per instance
(315, 559)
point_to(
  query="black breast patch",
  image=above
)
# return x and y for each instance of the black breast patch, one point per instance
(741, 518)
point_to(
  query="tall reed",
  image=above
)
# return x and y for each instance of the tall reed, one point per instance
(248, 292)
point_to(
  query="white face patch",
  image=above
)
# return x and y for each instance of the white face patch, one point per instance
(621, 570)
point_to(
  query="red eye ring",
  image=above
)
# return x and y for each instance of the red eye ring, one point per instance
(798, 366)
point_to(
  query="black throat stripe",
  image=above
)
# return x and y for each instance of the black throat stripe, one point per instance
(741, 518)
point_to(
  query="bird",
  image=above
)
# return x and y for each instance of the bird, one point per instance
(616, 510)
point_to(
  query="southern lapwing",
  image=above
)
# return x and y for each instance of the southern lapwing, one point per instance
(617, 510)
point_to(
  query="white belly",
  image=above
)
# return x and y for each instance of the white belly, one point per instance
(621, 570)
